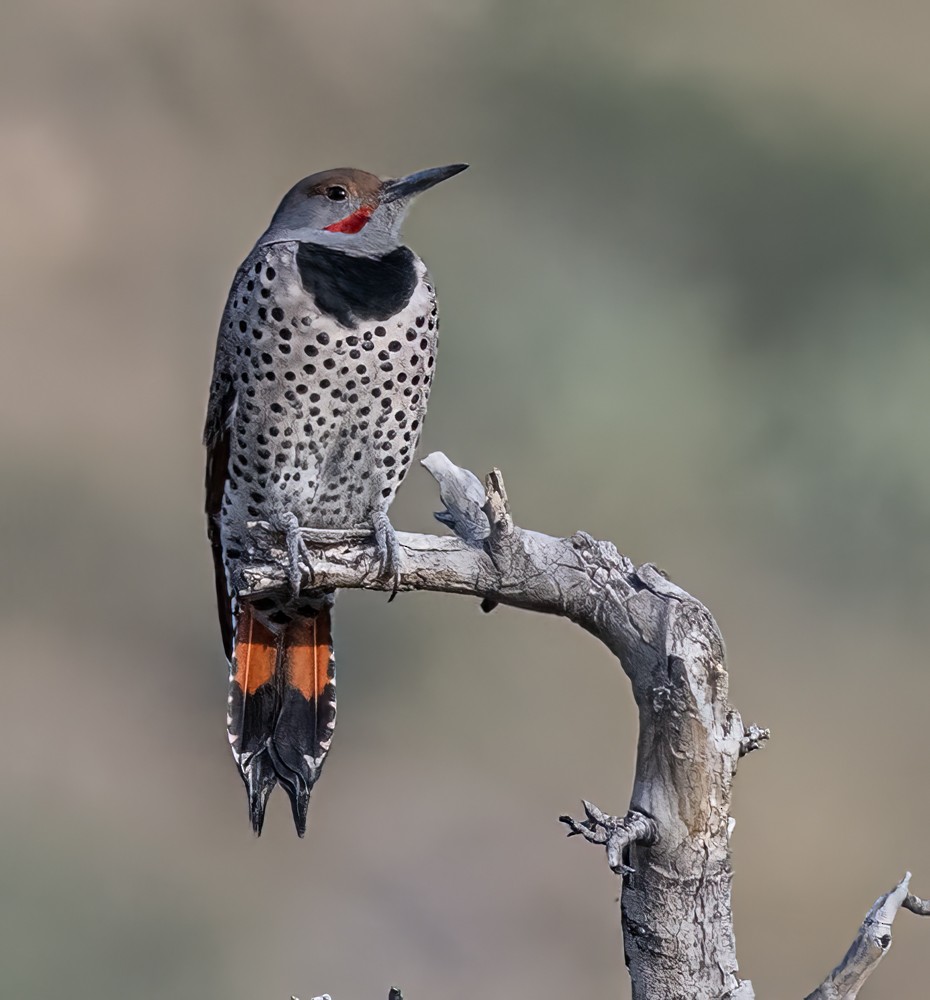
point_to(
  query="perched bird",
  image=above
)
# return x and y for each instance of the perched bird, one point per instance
(323, 369)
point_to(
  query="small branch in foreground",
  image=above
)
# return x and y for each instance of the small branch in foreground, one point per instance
(393, 994)
(870, 945)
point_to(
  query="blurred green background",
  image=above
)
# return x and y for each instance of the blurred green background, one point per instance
(685, 307)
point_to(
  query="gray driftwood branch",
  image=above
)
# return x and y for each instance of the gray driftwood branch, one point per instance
(671, 847)
(871, 944)
(394, 994)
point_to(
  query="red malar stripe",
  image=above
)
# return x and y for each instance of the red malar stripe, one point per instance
(352, 223)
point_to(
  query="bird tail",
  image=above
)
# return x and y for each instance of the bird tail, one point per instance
(282, 704)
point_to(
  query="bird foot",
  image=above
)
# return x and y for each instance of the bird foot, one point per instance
(388, 550)
(296, 549)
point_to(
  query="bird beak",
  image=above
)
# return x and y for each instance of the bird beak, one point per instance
(413, 184)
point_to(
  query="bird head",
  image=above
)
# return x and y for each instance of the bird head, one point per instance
(351, 210)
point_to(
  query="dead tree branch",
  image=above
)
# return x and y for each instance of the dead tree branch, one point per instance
(871, 944)
(671, 848)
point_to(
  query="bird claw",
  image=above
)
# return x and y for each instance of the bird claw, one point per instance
(388, 550)
(296, 549)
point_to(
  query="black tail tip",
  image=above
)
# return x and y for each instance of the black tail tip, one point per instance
(299, 794)
(261, 772)
(300, 804)
(296, 777)
(257, 805)
(260, 778)
(300, 823)
(258, 801)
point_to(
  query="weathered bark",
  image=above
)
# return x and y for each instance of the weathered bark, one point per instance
(671, 849)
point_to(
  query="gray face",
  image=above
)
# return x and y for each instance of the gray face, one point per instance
(350, 210)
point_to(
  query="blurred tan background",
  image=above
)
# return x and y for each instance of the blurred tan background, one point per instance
(685, 307)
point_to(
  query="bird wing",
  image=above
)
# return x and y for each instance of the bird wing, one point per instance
(216, 436)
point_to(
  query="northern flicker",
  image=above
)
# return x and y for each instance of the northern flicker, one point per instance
(324, 362)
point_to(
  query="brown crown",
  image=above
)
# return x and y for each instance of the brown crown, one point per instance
(359, 183)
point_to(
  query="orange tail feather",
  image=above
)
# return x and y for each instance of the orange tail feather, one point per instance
(282, 707)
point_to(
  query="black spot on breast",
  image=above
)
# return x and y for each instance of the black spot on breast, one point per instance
(354, 289)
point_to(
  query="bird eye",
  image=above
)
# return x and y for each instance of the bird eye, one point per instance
(336, 193)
